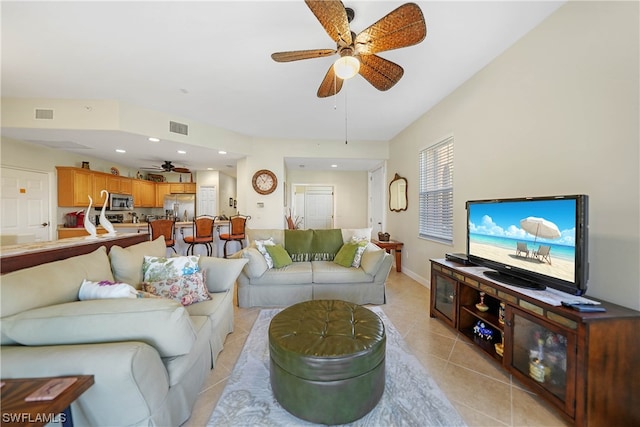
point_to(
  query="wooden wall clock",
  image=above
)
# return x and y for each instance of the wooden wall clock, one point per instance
(264, 181)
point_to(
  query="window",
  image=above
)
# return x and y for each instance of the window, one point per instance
(436, 192)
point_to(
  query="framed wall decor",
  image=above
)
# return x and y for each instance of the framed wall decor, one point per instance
(230, 201)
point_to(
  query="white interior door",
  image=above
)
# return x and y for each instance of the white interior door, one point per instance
(207, 201)
(25, 206)
(318, 207)
(377, 197)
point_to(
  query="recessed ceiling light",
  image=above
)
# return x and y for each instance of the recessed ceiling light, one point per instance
(182, 152)
(222, 152)
(119, 150)
(152, 139)
(334, 166)
(209, 169)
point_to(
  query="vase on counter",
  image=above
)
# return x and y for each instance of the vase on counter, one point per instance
(88, 225)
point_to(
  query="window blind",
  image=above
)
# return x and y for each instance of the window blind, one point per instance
(436, 192)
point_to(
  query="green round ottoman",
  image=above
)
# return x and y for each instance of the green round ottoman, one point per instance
(327, 360)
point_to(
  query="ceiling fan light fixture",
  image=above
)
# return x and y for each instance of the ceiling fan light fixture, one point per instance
(346, 66)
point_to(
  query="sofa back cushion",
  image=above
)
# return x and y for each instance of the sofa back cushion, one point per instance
(126, 263)
(313, 245)
(265, 233)
(52, 283)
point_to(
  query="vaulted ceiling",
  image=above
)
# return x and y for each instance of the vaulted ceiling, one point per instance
(209, 61)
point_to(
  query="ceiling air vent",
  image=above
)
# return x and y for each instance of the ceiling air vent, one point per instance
(44, 114)
(180, 128)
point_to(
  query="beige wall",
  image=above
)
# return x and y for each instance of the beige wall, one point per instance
(557, 113)
(350, 194)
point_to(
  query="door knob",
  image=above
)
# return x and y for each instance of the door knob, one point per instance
(45, 224)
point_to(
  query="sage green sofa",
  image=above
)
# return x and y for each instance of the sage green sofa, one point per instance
(313, 274)
(149, 356)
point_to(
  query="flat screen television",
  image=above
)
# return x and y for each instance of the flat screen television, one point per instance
(531, 242)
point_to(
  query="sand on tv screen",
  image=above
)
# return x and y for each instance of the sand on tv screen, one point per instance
(534, 235)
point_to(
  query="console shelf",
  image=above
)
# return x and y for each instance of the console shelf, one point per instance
(585, 364)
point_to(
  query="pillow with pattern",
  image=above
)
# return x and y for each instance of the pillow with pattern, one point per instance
(362, 245)
(162, 268)
(260, 245)
(187, 289)
(105, 289)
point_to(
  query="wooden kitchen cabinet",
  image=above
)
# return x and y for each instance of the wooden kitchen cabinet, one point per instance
(118, 184)
(144, 193)
(162, 189)
(182, 187)
(74, 185)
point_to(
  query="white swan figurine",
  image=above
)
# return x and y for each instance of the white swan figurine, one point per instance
(88, 225)
(111, 231)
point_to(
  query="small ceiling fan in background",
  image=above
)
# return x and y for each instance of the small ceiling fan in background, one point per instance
(167, 166)
(405, 26)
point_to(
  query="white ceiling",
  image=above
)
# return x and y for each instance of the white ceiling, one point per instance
(209, 61)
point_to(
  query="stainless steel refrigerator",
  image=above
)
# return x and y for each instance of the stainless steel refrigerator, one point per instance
(182, 207)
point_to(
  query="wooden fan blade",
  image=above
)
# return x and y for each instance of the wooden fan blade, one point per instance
(381, 73)
(181, 170)
(333, 17)
(330, 85)
(297, 55)
(402, 27)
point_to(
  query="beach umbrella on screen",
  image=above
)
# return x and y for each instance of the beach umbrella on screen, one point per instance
(540, 227)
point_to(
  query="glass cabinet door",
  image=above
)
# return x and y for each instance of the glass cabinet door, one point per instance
(444, 298)
(542, 352)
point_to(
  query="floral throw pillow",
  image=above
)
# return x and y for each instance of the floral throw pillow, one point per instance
(161, 268)
(260, 245)
(187, 289)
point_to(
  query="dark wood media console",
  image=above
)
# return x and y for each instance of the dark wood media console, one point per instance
(585, 364)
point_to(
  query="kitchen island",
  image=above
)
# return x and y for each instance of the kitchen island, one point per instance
(183, 228)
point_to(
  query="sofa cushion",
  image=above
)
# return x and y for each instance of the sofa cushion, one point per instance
(294, 274)
(276, 234)
(126, 263)
(330, 272)
(279, 256)
(161, 323)
(220, 273)
(346, 254)
(52, 283)
(372, 258)
(188, 289)
(257, 264)
(162, 268)
(361, 233)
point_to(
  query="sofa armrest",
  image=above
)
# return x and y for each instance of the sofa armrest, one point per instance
(162, 323)
(221, 273)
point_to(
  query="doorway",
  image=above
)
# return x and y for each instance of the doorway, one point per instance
(207, 201)
(313, 205)
(377, 198)
(25, 206)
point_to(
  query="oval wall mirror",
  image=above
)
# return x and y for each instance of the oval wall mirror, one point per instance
(398, 194)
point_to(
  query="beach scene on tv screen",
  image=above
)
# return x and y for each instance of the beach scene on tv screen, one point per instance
(535, 235)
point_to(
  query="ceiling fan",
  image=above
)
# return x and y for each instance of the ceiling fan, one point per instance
(405, 26)
(167, 166)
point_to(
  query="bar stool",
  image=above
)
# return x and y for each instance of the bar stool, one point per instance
(202, 234)
(237, 225)
(166, 228)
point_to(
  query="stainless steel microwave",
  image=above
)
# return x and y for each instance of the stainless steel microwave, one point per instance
(120, 202)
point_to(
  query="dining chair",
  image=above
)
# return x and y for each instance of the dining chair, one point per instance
(166, 228)
(202, 234)
(237, 225)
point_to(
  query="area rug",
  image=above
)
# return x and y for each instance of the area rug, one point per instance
(411, 397)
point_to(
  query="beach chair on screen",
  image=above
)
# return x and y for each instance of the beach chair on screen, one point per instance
(542, 254)
(522, 248)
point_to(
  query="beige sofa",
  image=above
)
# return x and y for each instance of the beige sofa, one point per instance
(149, 356)
(313, 275)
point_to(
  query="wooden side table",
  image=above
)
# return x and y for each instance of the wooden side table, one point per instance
(18, 412)
(389, 246)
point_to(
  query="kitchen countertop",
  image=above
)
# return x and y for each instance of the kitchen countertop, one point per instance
(24, 248)
(142, 225)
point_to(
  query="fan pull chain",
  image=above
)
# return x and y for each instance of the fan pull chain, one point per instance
(346, 87)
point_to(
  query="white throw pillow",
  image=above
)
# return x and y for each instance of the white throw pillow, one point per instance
(105, 289)
(260, 244)
(362, 245)
(361, 233)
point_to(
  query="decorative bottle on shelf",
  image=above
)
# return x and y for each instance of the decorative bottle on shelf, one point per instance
(481, 305)
(537, 369)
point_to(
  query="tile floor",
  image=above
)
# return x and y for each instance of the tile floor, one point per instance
(482, 393)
